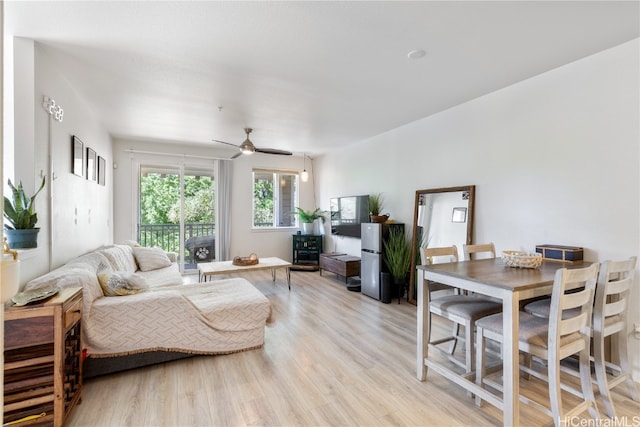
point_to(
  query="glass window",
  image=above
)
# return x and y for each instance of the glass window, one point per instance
(275, 196)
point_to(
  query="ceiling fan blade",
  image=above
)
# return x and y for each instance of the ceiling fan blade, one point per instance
(227, 143)
(236, 155)
(273, 151)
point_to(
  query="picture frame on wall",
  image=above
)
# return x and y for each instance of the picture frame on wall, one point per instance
(459, 215)
(91, 164)
(102, 170)
(77, 156)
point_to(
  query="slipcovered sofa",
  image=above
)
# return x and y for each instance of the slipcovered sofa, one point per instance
(156, 317)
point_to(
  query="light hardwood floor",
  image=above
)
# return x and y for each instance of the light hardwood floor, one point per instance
(331, 357)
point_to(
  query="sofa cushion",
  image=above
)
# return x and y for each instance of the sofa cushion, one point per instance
(118, 283)
(120, 257)
(162, 277)
(151, 258)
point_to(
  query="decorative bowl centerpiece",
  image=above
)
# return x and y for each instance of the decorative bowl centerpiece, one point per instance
(379, 218)
(521, 259)
(244, 261)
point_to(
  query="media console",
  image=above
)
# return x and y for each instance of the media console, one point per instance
(341, 264)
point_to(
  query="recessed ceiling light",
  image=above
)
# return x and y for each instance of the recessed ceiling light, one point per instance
(416, 54)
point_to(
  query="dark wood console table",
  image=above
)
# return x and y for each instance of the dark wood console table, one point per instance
(340, 264)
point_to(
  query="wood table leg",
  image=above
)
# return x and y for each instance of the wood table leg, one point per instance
(511, 367)
(422, 327)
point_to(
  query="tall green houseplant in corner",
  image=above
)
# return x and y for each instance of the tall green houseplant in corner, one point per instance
(20, 212)
(397, 256)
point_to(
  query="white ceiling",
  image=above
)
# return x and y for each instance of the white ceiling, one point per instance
(307, 76)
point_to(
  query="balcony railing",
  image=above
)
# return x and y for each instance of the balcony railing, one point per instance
(167, 236)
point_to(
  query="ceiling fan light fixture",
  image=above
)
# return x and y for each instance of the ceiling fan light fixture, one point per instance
(247, 147)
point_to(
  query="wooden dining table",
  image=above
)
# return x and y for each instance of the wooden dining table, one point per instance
(493, 278)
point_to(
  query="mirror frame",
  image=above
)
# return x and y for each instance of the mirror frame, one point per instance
(470, 214)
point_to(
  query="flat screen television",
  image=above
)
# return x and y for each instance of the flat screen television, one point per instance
(347, 213)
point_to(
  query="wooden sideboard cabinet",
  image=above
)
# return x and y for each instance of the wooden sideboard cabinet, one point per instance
(306, 252)
(43, 359)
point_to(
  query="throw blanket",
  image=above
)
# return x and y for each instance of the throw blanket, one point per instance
(217, 317)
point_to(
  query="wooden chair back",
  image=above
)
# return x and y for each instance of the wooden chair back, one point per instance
(571, 308)
(612, 294)
(437, 256)
(486, 250)
(610, 320)
(428, 254)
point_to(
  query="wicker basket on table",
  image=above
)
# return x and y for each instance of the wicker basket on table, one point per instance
(244, 261)
(520, 259)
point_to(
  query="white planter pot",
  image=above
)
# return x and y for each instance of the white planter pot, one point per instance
(307, 227)
(318, 229)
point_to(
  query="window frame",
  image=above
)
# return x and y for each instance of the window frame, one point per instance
(276, 174)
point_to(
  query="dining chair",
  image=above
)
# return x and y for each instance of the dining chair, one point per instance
(460, 309)
(479, 251)
(609, 320)
(566, 332)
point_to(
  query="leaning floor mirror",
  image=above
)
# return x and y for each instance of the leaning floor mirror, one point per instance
(441, 217)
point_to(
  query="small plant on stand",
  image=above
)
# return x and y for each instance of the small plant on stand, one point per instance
(308, 218)
(376, 203)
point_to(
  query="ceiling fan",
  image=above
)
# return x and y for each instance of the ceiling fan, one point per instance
(247, 147)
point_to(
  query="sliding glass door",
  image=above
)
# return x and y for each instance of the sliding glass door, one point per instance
(177, 212)
(198, 216)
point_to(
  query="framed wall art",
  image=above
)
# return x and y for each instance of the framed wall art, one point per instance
(102, 170)
(77, 156)
(91, 164)
(459, 215)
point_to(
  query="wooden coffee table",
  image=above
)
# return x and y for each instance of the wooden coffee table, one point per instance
(208, 269)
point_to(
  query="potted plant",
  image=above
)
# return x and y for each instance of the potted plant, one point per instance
(308, 218)
(376, 202)
(397, 256)
(19, 211)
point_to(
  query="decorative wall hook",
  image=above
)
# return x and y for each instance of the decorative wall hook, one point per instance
(54, 110)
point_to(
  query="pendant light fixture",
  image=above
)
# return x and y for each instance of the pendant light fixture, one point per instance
(304, 175)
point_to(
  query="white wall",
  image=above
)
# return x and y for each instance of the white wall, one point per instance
(555, 159)
(244, 240)
(81, 211)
